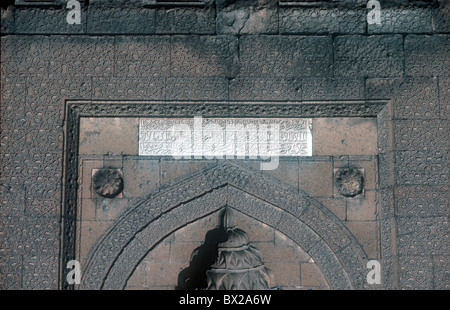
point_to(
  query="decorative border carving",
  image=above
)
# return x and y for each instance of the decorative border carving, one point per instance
(84, 108)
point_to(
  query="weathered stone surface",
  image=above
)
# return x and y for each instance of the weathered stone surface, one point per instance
(115, 3)
(421, 167)
(423, 236)
(321, 256)
(122, 142)
(384, 126)
(421, 134)
(311, 277)
(279, 56)
(81, 56)
(351, 136)
(40, 272)
(321, 20)
(427, 55)
(198, 56)
(185, 20)
(349, 182)
(7, 19)
(120, 20)
(416, 98)
(31, 163)
(422, 201)
(444, 97)
(413, 97)
(372, 56)
(403, 20)
(57, 62)
(47, 21)
(416, 272)
(140, 176)
(11, 268)
(12, 193)
(142, 56)
(46, 207)
(364, 232)
(107, 183)
(441, 19)
(24, 56)
(31, 235)
(315, 178)
(381, 88)
(254, 16)
(128, 88)
(441, 272)
(265, 89)
(182, 88)
(332, 88)
(389, 263)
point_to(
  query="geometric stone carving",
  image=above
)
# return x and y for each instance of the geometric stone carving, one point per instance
(107, 183)
(107, 252)
(226, 184)
(349, 182)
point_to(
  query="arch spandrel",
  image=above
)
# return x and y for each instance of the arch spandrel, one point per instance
(263, 198)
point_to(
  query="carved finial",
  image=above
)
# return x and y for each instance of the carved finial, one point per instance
(227, 218)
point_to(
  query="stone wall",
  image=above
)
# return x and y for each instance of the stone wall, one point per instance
(227, 51)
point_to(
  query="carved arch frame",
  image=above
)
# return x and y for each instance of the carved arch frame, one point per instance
(308, 223)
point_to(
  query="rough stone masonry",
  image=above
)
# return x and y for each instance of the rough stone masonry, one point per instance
(74, 187)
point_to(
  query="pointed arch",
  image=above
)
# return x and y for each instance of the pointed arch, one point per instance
(308, 223)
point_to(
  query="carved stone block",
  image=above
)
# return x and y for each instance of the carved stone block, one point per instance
(25, 56)
(421, 134)
(444, 97)
(7, 19)
(422, 201)
(416, 272)
(40, 272)
(197, 56)
(380, 56)
(423, 236)
(321, 20)
(254, 17)
(182, 88)
(403, 20)
(441, 272)
(142, 56)
(265, 89)
(47, 21)
(11, 268)
(199, 20)
(427, 55)
(120, 20)
(421, 167)
(417, 98)
(128, 88)
(441, 18)
(81, 56)
(344, 88)
(12, 193)
(285, 56)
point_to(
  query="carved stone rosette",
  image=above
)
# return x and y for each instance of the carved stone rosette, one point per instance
(238, 265)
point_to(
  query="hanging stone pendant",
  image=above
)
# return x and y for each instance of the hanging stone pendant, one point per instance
(238, 265)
